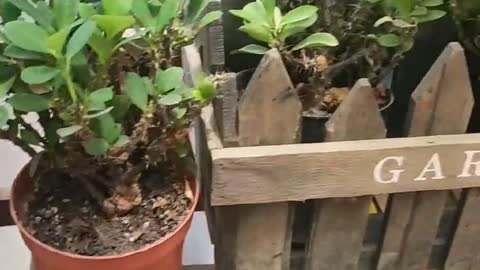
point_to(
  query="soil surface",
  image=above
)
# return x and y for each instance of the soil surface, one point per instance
(63, 215)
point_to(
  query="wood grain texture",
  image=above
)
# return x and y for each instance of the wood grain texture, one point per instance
(259, 236)
(226, 110)
(441, 104)
(192, 64)
(339, 225)
(214, 53)
(465, 252)
(314, 171)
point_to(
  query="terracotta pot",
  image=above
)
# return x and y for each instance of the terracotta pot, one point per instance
(164, 254)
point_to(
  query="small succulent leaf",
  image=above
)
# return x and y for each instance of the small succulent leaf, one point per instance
(68, 131)
(297, 27)
(4, 116)
(269, 6)
(179, 112)
(80, 38)
(205, 90)
(253, 49)
(419, 11)
(299, 14)
(26, 102)
(65, 12)
(105, 127)
(389, 40)
(102, 46)
(56, 42)
(6, 84)
(277, 18)
(39, 74)
(9, 12)
(257, 32)
(317, 40)
(86, 10)
(116, 7)
(98, 114)
(432, 3)
(210, 18)
(96, 146)
(142, 12)
(121, 104)
(167, 13)
(113, 25)
(27, 36)
(170, 99)
(431, 15)
(252, 13)
(403, 6)
(195, 9)
(19, 53)
(169, 79)
(40, 13)
(136, 90)
(402, 24)
(383, 20)
(101, 95)
(122, 141)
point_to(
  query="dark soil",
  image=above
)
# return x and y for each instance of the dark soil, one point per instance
(64, 216)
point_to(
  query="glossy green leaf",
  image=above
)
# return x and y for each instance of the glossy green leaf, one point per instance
(277, 18)
(27, 36)
(6, 83)
(170, 99)
(65, 12)
(269, 7)
(432, 3)
(419, 11)
(169, 79)
(102, 46)
(96, 147)
(383, 20)
(299, 14)
(68, 131)
(403, 6)
(56, 42)
(257, 32)
(19, 53)
(317, 40)
(101, 95)
(112, 24)
(39, 74)
(431, 15)
(8, 11)
(389, 40)
(297, 27)
(26, 102)
(195, 9)
(80, 38)
(105, 127)
(252, 13)
(136, 90)
(149, 86)
(117, 7)
(122, 141)
(205, 90)
(86, 10)
(40, 13)
(98, 114)
(141, 10)
(402, 23)
(210, 18)
(167, 13)
(121, 104)
(253, 49)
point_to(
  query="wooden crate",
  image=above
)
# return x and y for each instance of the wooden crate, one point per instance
(255, 172)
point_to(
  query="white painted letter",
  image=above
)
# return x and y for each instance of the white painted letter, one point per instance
(377, 172)
(469, 163)
(433, 166)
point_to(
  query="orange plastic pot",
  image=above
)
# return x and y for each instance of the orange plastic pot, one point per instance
(164, 254)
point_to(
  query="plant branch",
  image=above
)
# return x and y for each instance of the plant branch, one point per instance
(18, 142)
(132, 173)
(333, 70)
(29, 127)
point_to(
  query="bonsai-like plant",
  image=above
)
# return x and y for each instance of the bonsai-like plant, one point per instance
(342, 41)
(105, 84)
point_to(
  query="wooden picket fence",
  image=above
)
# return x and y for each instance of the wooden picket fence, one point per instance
(255, 171)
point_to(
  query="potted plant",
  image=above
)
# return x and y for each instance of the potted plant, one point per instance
(109, 184)
(326, 50)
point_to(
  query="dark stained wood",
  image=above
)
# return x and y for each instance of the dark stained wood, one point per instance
(259, 236)
(213, 50)
(339, 225)
(441, 104)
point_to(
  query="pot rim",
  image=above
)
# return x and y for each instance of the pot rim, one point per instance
(150, 246)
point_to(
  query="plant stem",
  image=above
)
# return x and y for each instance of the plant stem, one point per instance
(18, 142)
(70, 86)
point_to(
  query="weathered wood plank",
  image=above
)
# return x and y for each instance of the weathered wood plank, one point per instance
(259, 236)
(339, 225)
(192, 64)
(226, 110)
(214, 53)
(441, 104)
(314, 171)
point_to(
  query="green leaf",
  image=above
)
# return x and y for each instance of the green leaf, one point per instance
(29, 137)
(403, 6)
(80, 38)
(9, 12)
(98, 114)
(122, 141)
(26, 102)
(269, 6)
(6, 85)
(179, 112)
(19, 53)
(169, 79)
(298, 27)
(432, 3)
(383, 20)
(105, 127)
(149, 86)
(101, 95)
(87, 10)
(170, 99)
(419, 11)
(39, 74)
(121, 104)
(4, 116)
(141, 10)
(389, 40)
(402, 24)
(167, 13)
(257, 32)
(431, 15)
(277, 18)
(253, 49)
(103, 47)
(317, 40)
(67, 131)
(136, 90)
(112, 24)
(210, 18)
(96, 147)
(205, 90)
(27, 36)
(65, 12)
(252, 13)
(195, 9)
(299, 14)
(40, 13)
(117, 7)
(56, 42)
